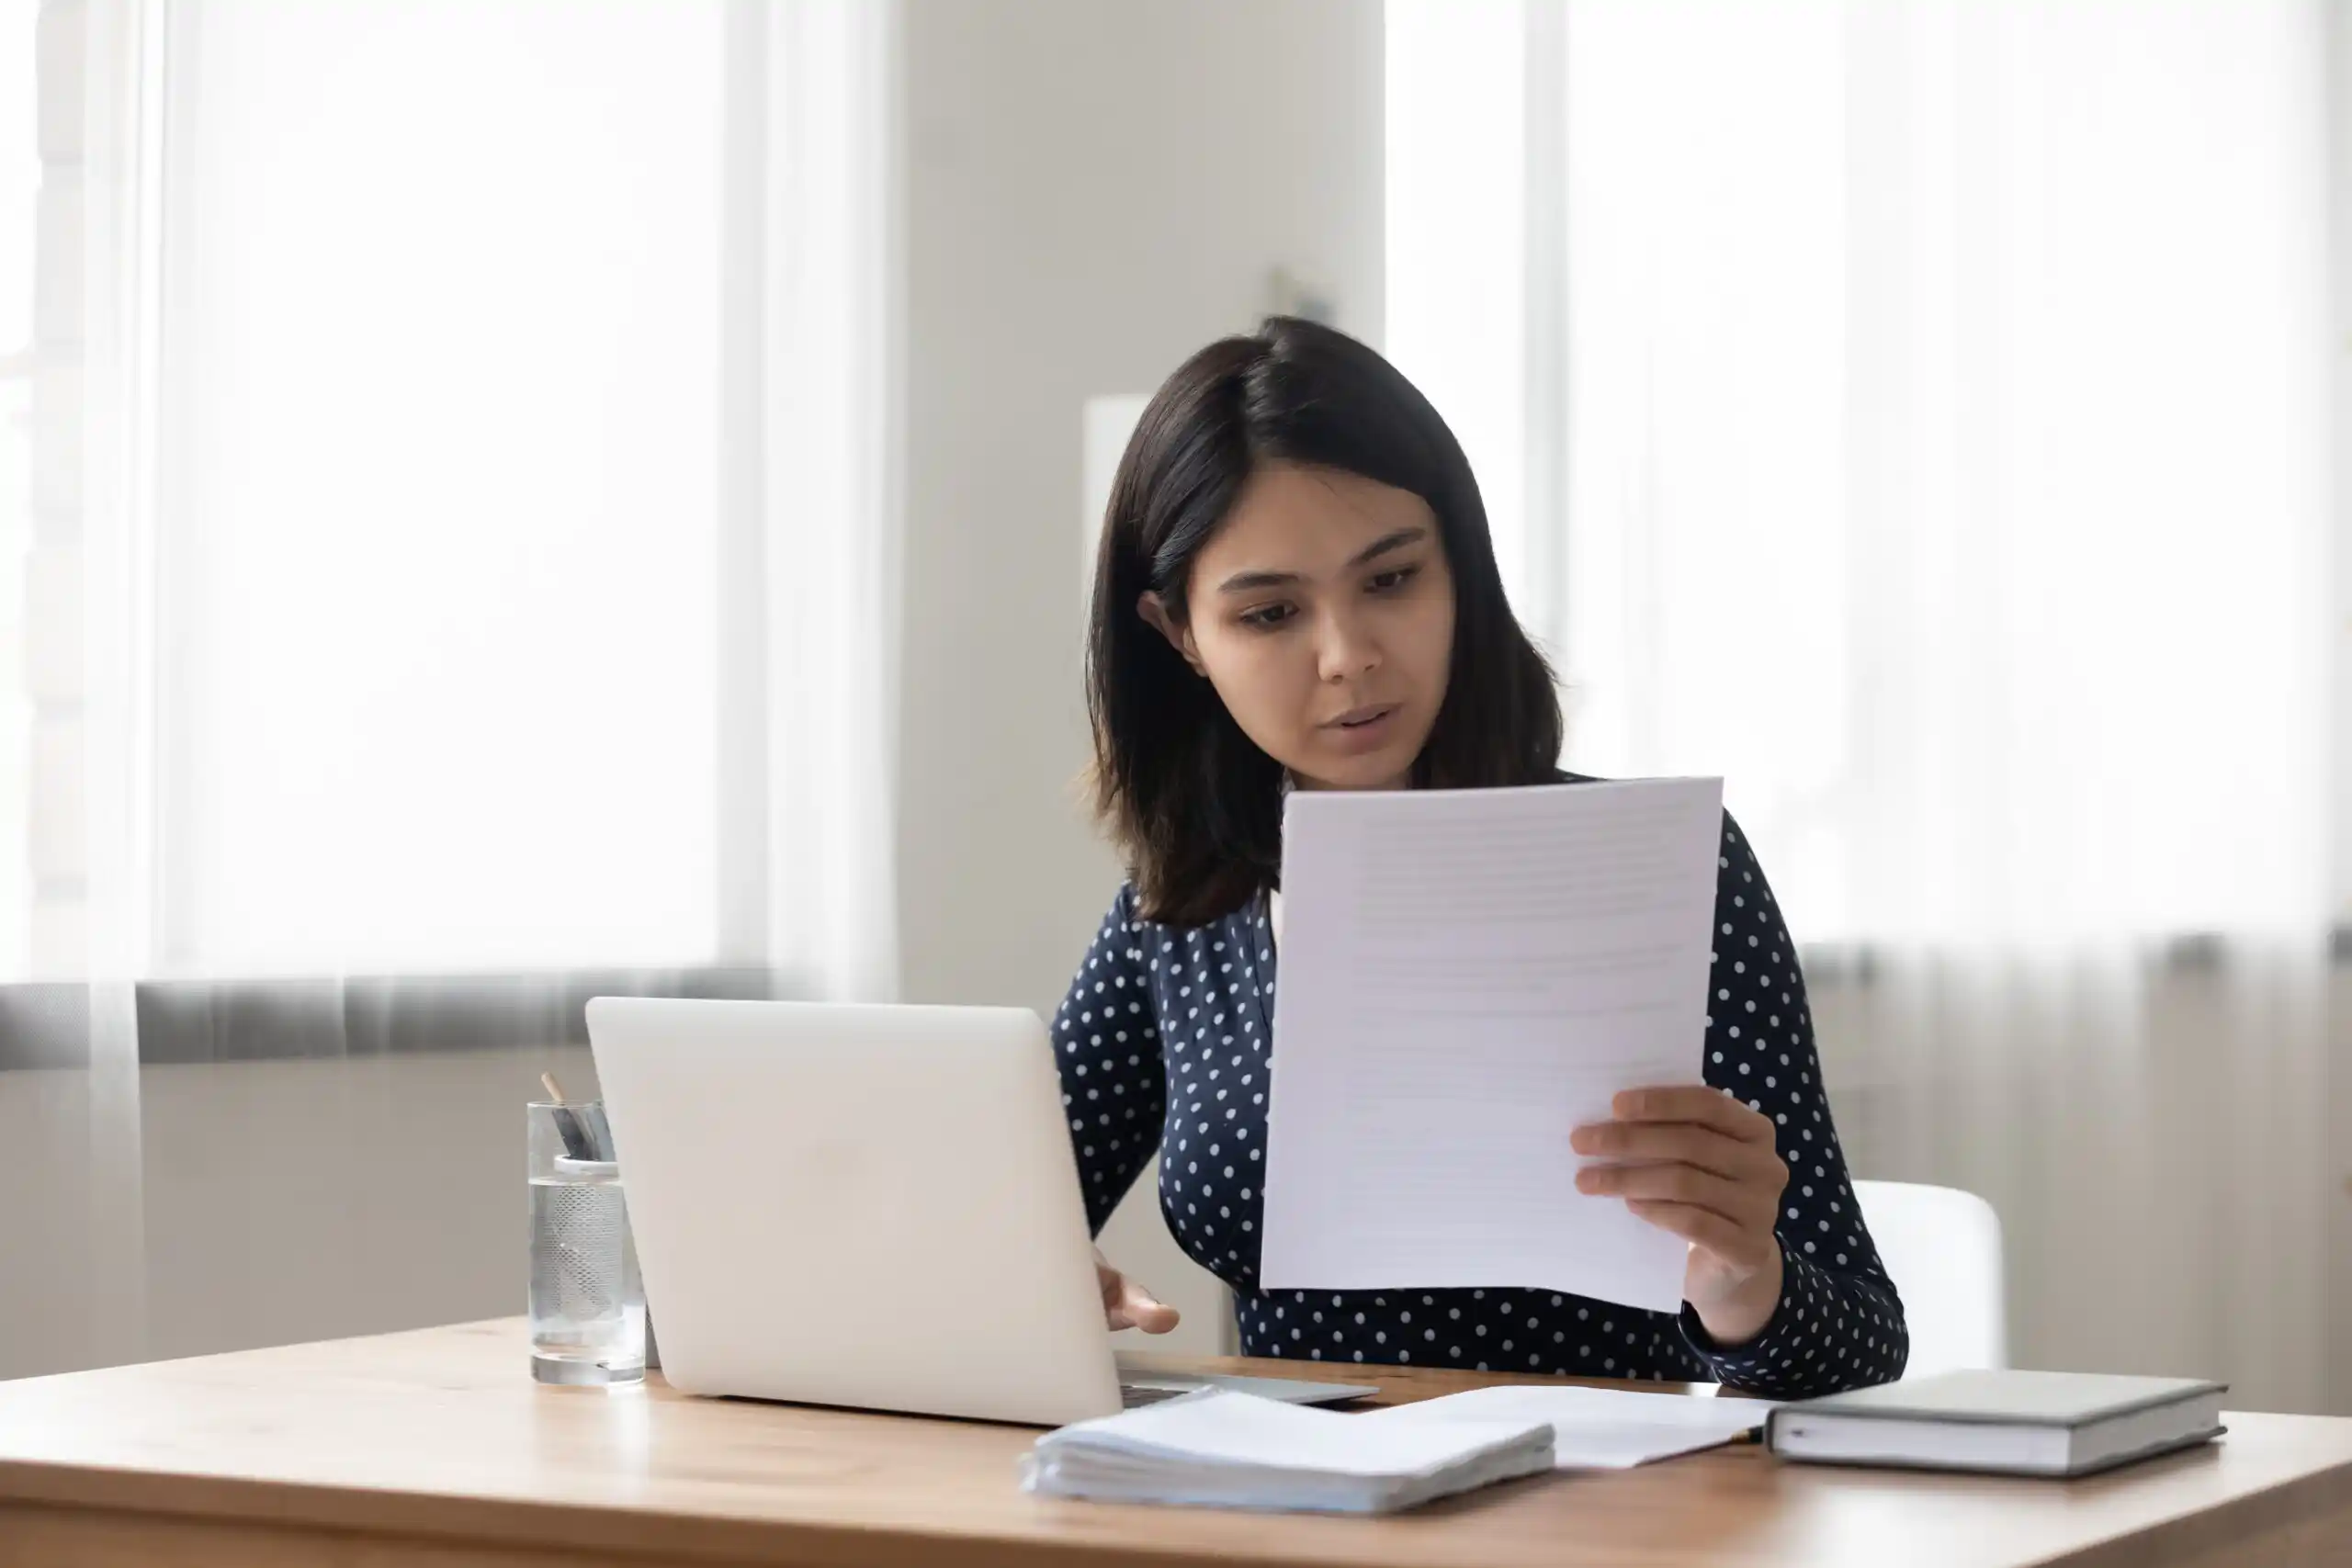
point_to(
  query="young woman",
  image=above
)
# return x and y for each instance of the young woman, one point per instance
(1297, 589)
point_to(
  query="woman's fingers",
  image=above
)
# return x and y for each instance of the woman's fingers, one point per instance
(1696, 1127)
(1142, 1310)
(1709, 1148)
(1742, 1203)
(1736, 1245)
(1126, 1304)
(1695, 1103)
(1695, 1162)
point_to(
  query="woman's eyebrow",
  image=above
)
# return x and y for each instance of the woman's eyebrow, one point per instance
(1387, 542)
(1250, 581)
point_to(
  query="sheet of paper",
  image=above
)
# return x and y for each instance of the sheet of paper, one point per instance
(1595, 1429)
(1465, 977)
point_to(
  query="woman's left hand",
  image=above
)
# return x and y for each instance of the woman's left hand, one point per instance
(1695, 1161)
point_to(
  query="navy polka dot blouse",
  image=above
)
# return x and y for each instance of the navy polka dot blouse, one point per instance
(1164, 1043)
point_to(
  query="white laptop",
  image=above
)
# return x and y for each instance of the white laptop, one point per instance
(867, 1206)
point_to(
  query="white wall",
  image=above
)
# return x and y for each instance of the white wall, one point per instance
(285, 1200)
(1096, 188)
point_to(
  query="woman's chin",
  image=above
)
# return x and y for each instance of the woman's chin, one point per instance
(1369, 772)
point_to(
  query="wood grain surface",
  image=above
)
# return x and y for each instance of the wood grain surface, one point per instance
(436, 1447)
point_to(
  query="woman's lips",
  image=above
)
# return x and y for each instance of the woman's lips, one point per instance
(1364, 729)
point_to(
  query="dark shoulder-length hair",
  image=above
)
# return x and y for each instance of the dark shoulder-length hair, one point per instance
(1193, 802)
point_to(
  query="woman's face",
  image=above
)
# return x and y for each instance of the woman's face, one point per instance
(1322, 611)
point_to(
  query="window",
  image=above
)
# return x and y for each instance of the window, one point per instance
(1916, 415)
(436, 531)
(23, 171)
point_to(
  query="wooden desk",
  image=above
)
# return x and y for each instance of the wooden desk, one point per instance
(435, 1447)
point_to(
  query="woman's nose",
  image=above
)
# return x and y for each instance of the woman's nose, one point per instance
(1345, 651)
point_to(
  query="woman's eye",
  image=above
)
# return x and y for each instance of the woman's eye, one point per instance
(1394, 578)
(1266, 618)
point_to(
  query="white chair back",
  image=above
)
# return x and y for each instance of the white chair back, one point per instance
(1942, 1248)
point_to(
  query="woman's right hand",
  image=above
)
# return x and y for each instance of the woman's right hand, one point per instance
(1126, 1304)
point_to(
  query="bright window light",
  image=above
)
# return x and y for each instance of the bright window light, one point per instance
(440, 540)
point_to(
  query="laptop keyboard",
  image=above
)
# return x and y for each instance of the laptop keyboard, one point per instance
(1135, 1395)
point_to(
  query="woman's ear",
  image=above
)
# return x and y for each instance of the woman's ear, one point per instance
(1154, 609)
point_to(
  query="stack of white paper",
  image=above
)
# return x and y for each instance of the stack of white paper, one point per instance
(1595, 1428)
(1222, 1450)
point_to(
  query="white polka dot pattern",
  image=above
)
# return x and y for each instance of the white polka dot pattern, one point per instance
(1164, 1041)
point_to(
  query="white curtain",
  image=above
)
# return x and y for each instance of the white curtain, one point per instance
(483, 554)
(1922, 419)
(831, 493)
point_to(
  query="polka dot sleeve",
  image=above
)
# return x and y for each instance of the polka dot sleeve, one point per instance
(1838, 1324)
(1106, 1043)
